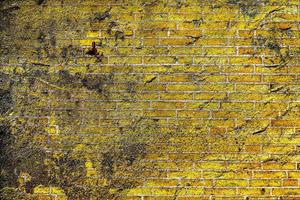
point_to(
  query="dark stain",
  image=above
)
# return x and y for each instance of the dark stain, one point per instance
(151, 80)
(6, 101)
(32, 75)
(122, 159)
(7, 176)
(131, 87)
(93, 51)
(6, 15)
(93, 83)
(107, 165)
(51, 32)
(41, 37)
(40, 64)
(11, 193)
(64, 52)
(271, 42)
(111, 25)
(4, 80)
(273, 88)
(131, 152)
(119, 35)
(273, 46)
(102, 16)
(261, 130)
(197, 22)
(68, 173)
(194, 39)
(40, 2)
(90, 81)
(67, 79)
(99, 58)
(248, 7)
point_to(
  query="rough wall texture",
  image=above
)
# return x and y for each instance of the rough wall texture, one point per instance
(150, 99)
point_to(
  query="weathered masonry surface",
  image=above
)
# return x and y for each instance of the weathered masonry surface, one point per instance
(150, 99)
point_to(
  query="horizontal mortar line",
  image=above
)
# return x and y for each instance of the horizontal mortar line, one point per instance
(170, 170)
(132, 4)
(206, 134)
(216, 187)
(206, 152)
(154, 65)
(236, 153)
(202, 73)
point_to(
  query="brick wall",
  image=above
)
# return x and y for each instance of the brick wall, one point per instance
(152, 99)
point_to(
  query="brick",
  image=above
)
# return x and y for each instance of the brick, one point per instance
(167, 105)
(285, 123)
(193, 114)
(176, 96)
(286, 191)
(244, 78)
(183, 99)
(174, 78)
(269, 174)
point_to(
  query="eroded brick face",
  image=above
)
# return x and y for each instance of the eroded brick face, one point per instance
(150, 99)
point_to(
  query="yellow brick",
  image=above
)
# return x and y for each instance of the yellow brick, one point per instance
(231, 183)
(286, 191)
(280, 79)
(176, 96)
(211, 165)
(174, 78)
(211, 41)
(269, 174)
(159, 25)
(161, 182)
(220, 191)
(88, 42)
(245, 60)
(252, 88)
(152, 87)
(217, 87)
(265, 183)
(290, 182)
(202, 105)
(56, 190)
(159, 60)
(211, 60)
(293, 174)
(193, 114)
(41, 190)
(92, 34)
(150, 42)
(167, 105)
(253, 191)
(159, 113)
(125, 60)
(219, 51)
(237, 106)
(245, 97)
(244, 78)
(182, 87)
(286, 123)
(238, 69)
(176, 41)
